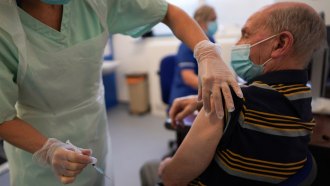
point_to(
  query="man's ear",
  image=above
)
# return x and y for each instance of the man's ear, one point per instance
(283, 45)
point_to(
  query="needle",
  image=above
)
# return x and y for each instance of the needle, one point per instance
(101, 171)
(94, 160)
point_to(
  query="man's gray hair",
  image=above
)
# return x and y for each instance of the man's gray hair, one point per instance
(306, 26)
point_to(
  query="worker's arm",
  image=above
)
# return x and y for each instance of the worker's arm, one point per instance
(196, 151)
(65, 163)
(184, 27)
(22, 135)
(216, 78)
(190, 78)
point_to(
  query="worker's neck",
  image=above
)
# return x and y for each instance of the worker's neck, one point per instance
(50, 15)
(36, 4)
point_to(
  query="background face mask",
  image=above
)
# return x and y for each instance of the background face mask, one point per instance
(241, 63)
(212, 28)
(55, 2)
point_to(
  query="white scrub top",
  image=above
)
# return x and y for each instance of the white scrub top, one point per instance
(54, 78)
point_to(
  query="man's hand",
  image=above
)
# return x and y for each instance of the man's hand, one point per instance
(182, 107)
(162, 165)
(215, 78)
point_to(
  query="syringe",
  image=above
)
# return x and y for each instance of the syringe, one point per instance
(94, 160)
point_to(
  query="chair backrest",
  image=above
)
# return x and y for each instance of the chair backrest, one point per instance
(166, 74)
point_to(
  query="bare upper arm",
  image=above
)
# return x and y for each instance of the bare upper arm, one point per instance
(197, 150)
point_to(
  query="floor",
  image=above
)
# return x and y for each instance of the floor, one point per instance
(135, 140)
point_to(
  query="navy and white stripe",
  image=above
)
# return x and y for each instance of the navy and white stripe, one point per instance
(266, 139)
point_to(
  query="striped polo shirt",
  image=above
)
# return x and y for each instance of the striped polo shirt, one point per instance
(266, 138)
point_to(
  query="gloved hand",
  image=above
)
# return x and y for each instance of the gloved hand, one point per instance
(65, 162)
(183, 107)
(215, 78)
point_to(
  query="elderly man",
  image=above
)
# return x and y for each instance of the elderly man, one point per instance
(265, 140)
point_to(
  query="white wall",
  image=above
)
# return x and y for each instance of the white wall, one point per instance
(318, 5)
(137, 55)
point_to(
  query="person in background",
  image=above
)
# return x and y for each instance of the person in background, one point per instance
(185, 81)
(50, 80)
(265, 140)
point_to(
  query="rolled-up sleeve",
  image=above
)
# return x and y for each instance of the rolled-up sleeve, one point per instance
(135, 17)
(8, 71)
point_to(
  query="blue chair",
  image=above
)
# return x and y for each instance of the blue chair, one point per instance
(166, 74)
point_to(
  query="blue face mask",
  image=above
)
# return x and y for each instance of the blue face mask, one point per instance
(212, 28)
(241, 63)
(56, 2)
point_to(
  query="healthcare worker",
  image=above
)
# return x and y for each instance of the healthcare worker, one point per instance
(50, 80)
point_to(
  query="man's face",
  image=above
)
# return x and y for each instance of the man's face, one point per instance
(252, 32)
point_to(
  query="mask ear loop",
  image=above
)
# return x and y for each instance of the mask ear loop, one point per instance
(257, 43)
(267, 61)
(262, 42)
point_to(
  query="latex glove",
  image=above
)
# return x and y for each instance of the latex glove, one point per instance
(215, 78)
(183, 107)
(65, 162)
